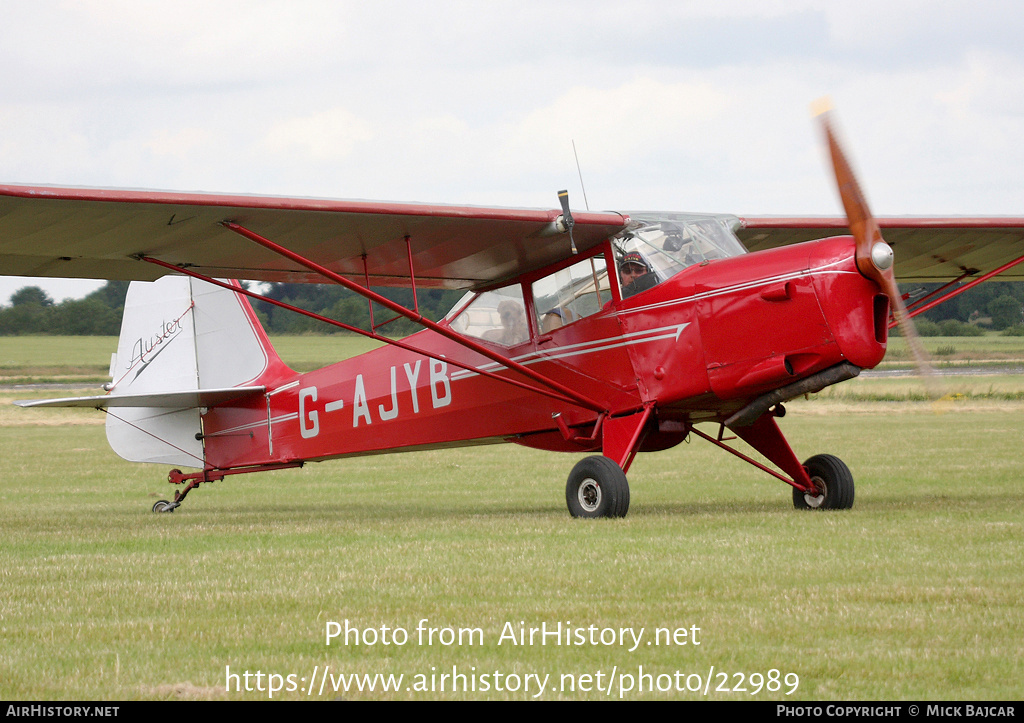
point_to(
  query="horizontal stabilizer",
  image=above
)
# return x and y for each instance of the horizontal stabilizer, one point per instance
(188, 399)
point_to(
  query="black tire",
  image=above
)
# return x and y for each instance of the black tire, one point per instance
(162, 506)
(835, 481)
(597, 487)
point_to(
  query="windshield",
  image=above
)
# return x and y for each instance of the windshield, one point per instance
(670, 242)
(655, 247)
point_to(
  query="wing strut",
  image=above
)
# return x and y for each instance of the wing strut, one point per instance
(941, 289)
(417, 318)
(412, 278)
(355, 329)
(962, 289)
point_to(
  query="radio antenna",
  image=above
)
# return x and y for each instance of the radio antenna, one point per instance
(585, 202)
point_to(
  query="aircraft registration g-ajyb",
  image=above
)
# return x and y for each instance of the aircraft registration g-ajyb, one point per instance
(594, 332)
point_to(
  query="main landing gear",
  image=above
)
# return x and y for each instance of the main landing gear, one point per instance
(597, 487)
(832, 480)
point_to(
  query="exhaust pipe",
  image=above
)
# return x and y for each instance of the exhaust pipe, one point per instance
(814, 383)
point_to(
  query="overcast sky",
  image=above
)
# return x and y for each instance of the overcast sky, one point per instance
(684, 106)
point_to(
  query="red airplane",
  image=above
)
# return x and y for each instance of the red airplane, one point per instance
(594, 332)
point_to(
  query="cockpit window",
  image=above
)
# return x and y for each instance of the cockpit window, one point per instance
(498, 316)
(655, 247)
(658, 247)
(571, 294)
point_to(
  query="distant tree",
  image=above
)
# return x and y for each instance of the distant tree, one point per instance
(1005, 311)
(955, 327)
(23, 319)
(32, 311)
(31, 295)
(974, 301)
(84, 317)
(111, 295)
(340, 304)
(925, 327)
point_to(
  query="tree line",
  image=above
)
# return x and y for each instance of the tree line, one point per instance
(996, 305)
(32, 311)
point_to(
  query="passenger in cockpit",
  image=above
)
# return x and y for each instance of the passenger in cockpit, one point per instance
(513, 323)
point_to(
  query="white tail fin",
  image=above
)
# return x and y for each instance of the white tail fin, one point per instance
(181, 335)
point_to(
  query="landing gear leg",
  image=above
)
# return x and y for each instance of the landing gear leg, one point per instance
(822, 482)
(597, 485)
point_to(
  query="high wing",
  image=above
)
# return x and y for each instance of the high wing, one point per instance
(100, 233)
(926, 249)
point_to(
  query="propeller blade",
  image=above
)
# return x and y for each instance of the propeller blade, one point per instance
(567, 220)
(874, 256)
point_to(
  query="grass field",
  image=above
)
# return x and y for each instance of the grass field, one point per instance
(42, 359)
(28, 359)
(913, 594)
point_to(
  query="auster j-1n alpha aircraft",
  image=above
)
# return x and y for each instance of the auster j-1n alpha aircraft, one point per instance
(589, 332)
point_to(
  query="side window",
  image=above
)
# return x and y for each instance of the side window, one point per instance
(498, 316)
(571, 294)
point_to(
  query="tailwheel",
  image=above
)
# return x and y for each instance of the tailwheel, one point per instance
(164, 506)
(597, 487)
(833, 481)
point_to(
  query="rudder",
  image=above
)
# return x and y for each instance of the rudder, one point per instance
(181, 334)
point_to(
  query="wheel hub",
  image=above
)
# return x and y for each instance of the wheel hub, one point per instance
(589, 495)
(815, 501)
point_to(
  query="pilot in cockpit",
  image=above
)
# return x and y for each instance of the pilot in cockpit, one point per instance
(634, 274)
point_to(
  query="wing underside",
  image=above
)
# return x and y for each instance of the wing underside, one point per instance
(91, 233)
(96, 233)
(926, 249)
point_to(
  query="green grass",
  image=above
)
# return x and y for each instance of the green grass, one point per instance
(988, 387)
(43, 359)
(992, 349)
(39, 359)
(913, 594)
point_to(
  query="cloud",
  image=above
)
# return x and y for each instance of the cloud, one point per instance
(672, 105)
(329, 135)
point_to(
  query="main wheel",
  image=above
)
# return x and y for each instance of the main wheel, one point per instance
(597, 487)
(162, 506)
(834, 482)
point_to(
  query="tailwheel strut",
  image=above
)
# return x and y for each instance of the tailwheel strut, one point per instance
(193, 480)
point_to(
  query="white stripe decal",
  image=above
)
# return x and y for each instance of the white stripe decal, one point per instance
(602, 344)
(561, 352)
(255, 425)
(284, 388)
(740, 287)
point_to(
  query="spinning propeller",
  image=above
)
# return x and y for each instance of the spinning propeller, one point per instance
(874, 255)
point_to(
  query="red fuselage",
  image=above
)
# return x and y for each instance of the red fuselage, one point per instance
(696, 347)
